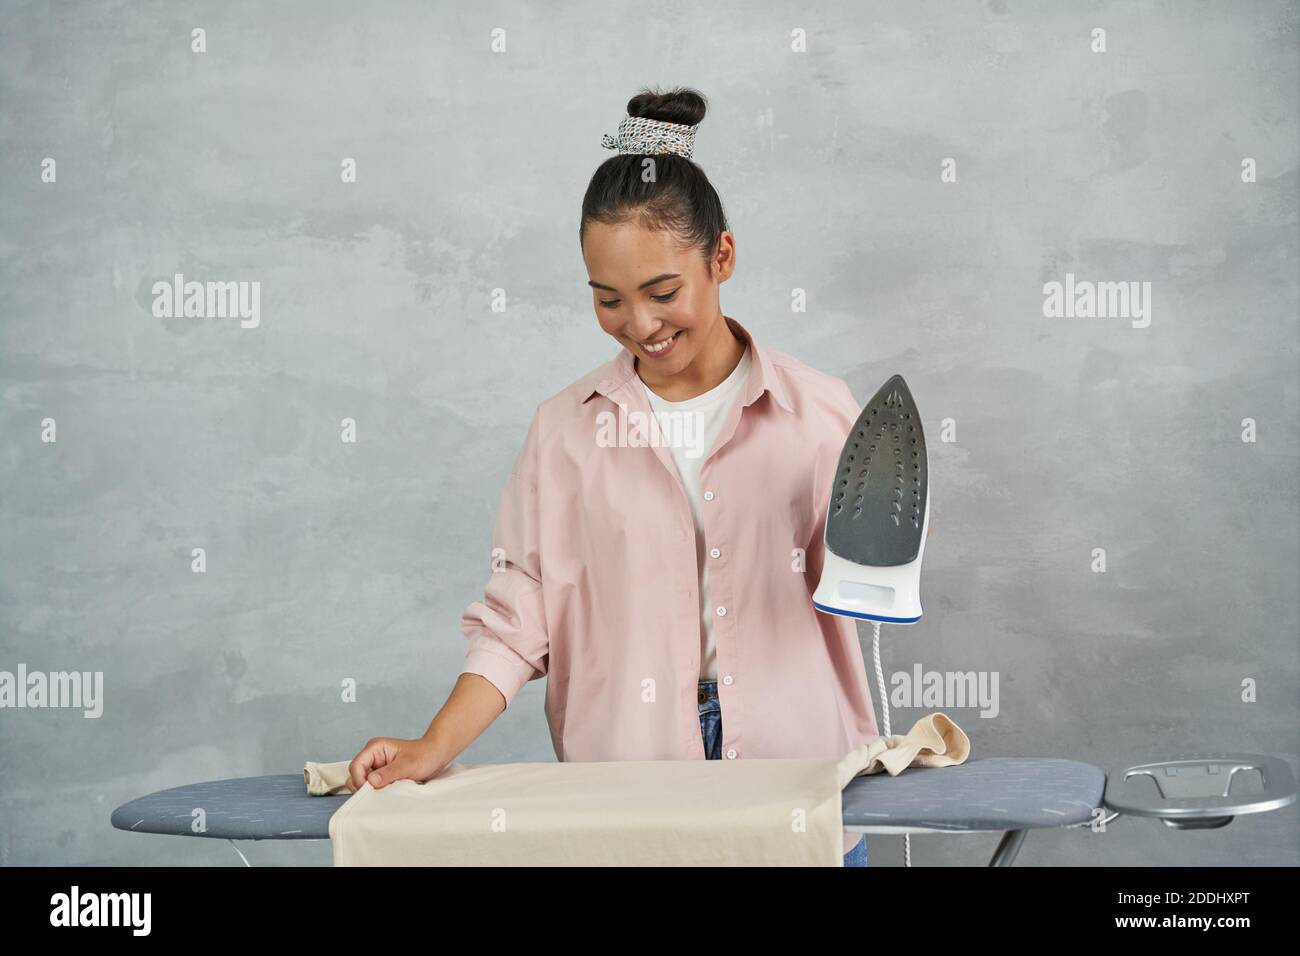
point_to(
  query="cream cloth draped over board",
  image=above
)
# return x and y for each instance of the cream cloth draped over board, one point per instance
(760, 812)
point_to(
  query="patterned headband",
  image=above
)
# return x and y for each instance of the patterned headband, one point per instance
(649, 137)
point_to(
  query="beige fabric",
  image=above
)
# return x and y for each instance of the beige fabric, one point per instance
(323, 779)
(934, 741)
(758, 812)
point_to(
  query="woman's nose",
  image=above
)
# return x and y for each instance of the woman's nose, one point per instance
(645, 331)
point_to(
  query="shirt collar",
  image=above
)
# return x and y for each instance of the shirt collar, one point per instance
(762, 374)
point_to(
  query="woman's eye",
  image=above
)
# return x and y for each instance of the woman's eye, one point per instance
(666, 297)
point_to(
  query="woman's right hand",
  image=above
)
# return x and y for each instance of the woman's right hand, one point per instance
(385, 759)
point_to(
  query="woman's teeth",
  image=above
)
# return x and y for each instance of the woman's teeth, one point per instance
(653, 349)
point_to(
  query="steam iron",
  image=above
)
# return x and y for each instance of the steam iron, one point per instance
(879, 514)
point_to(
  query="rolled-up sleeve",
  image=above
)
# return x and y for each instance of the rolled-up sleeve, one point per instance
(508, 641)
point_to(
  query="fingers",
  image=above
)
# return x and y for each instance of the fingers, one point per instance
(384, 760)
(396, 769)
(376, 753)
(358, 768)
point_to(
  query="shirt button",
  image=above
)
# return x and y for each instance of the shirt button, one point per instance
(716, 553)
(731, 754)
(722, 612)
(728, 679)
(708, 496)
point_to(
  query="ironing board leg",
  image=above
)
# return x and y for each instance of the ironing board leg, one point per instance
(1008, 847)
(241, 855)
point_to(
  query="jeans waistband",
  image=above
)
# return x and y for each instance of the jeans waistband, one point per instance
(707, 692)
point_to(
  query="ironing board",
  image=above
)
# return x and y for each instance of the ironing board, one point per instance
(1009, 795)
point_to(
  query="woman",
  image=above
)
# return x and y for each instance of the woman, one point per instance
(661, 531)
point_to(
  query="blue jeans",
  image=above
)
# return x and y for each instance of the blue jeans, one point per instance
(711, 730)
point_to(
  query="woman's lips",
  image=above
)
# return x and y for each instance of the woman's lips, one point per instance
(672, 344)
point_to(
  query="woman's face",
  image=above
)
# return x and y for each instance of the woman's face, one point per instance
(647, 291)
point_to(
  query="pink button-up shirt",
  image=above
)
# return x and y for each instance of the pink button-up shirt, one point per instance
(595, 583)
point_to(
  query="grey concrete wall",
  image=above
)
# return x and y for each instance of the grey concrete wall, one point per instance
(329, 560)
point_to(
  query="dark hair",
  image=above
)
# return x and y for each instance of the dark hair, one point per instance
(681, 199)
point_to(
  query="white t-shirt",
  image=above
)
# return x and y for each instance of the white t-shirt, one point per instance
(689, 429)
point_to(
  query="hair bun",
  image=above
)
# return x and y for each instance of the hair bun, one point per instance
(681, 105)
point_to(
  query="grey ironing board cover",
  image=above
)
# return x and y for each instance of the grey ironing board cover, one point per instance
(992, 793)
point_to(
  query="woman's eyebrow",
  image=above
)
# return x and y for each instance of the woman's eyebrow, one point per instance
(648, 282)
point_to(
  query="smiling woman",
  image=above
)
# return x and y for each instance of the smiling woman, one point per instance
(671, 321)
(664, 587)
(655, 240)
